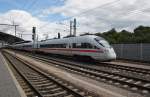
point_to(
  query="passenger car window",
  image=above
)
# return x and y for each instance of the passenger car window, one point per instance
(86, 45)
(54, 45)
(95, 47)
(82, 45)
(78, 45)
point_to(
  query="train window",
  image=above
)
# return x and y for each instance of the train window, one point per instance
(60, 46)
(53, 46)
(105, 43)
(95, 47)
(102, 42)
(86, 45)
(74, 45)
(82, 45)
(69, 46)
(27, 46)
(96, 39)
(43, 46)
(78, 45)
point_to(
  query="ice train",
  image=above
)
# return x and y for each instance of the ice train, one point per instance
(88, 46)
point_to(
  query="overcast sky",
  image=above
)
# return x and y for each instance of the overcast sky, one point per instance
(53, 16)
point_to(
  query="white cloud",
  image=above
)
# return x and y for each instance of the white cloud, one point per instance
(106, 14)
(73, 7)
(26, 21)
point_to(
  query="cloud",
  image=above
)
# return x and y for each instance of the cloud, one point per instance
(26, 21)
(102, 15)
(73, 7)
(92, 16)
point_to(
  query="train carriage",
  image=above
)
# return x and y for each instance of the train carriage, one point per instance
(88, 46)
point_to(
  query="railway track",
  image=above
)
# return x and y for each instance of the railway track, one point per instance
(132, 83)
(138, 73)
(127, 69)
(23, 83)
(146, 63)
(113, 68)
(38, 83)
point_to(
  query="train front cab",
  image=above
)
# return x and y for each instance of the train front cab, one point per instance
(108, 52)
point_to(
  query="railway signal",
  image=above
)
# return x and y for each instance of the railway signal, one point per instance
(71, 28)
(74, 27)
(33, 33)
(58, 35)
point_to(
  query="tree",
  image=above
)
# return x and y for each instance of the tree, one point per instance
(111, 35)
(142, 34)
(125, 37)
(141, 30)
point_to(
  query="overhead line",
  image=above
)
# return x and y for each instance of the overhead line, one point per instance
(93, 9)
(101, 6)
(29, 6)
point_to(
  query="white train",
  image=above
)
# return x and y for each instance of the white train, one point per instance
(88, 46)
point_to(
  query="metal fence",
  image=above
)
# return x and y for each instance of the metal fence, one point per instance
(139, 52)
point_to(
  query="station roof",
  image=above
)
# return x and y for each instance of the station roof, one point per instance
(9, 38)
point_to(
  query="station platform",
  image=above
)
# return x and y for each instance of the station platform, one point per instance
(8, 84)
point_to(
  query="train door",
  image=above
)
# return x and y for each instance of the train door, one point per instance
(67, 50)
(70, 48)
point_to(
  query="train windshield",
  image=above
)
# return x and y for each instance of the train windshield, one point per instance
(102, 42)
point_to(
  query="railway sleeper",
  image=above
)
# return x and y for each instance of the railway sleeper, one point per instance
(40, 82)
(47, 87)
(59, 94)
(50, 89)
(44, 91)
(42, 85)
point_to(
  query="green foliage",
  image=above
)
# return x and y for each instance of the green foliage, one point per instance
(141, 31)
(141, 34)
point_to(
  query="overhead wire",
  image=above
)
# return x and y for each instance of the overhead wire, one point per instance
(33, 14)
(137, 11)
(84, 12)
(19, 15)
(26, 7)
(101, 6)
(102, 19)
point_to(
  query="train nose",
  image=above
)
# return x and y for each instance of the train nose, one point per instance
(111, 54)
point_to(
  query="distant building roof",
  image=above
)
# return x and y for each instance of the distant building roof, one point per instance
(9, 38)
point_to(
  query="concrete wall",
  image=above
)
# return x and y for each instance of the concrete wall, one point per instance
(139, 52)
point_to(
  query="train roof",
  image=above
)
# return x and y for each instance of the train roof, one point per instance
(65, 40)
(85, 37)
